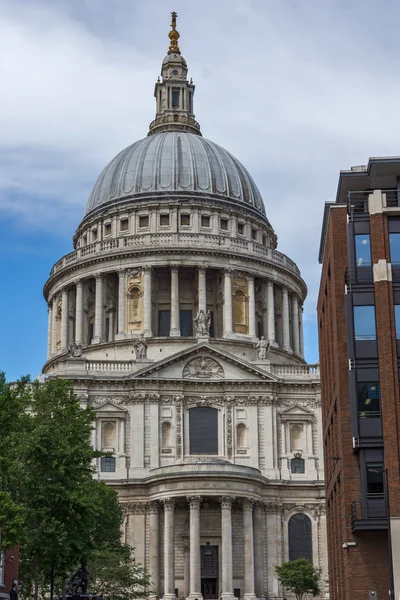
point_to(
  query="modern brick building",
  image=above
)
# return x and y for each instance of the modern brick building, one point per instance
(359, 337)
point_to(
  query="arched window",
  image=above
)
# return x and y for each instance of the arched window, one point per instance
(240, 312)
(134, 295)
(166, 434)
(300, 537)
(203, 430)
(297, 465)
(241, 440)
(108, 435)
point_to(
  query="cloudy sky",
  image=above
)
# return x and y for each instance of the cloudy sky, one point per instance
(296, 89)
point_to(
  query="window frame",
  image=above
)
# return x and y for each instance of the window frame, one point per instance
(391, 248)
(107, 228)
(359, 336)
(140, 219)
(109, 460)
(209, 221)
(123, 220)
(358, 238)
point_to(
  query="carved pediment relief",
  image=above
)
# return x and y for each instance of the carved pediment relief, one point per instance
(203, 367)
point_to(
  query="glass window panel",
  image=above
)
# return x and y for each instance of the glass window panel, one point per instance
(164, 219)
(397, 320)
(300, 537)
(394, 242)
(164, 322)
(203, 430)
(375, 479)
(297, 465)
(240, 228)
(364, 322)
(175, 98)
(205, 221)
(107, 464)
(186, 323)
(368, 395)
(185, 219)
(363, 250)
(144, 221)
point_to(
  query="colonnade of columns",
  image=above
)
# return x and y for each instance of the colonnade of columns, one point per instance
(252, 549)
(291, 333)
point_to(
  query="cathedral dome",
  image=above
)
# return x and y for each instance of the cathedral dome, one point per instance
(175, 162)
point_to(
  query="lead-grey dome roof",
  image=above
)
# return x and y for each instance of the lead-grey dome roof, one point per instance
(175, 162)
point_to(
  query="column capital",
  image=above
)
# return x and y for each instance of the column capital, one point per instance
(250, 277)
(194, 501)
(248, 504)
(147, 269)
(98, 276)
(64, 291)
(169, 503)
(228, 272)
(174, 268)
(202, 268)
(121, 272)
(153, 507)
(78, 283)
(226, 501)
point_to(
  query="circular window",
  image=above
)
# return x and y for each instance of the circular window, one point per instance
(174, 72)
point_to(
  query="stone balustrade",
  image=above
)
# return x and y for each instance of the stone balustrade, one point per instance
(295, 370)
(151, 241)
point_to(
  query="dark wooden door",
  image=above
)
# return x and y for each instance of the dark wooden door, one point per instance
(209, 589)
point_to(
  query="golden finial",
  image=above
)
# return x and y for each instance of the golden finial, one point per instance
(174, 36)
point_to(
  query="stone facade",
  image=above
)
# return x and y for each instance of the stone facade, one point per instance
(161, 317)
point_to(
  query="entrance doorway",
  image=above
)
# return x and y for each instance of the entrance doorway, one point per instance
(209, 572)
(209, 589)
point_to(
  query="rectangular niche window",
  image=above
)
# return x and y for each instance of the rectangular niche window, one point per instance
(107, 464)
(144, 221)
(164, 219)
(175, 97)
(364, 323)
(107, 229)
(205, 221)
(264, 240)
(185, 219)
(254, 234)
(223, 224)
(94, 234)
(240, 228)
(203, 430)
(124, 224)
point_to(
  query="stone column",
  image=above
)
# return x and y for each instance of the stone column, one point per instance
(252, 306)
(248, 550)
(195, 573)
(64, 319)
(154, 548)
(259, 519)
(49, 330)
(295, 325)
(186, 570)
(147, 301)
(301, 332)
(202, 290)
(121, 304)
(54, 326)
(169, 549)
(175, 325)
(271, 312)
(228, 303)
(79, 313)
(98, 314)
(226, 550)
(285, 320)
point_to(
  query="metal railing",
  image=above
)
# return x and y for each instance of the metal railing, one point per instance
(372, 507)
(358, 275)
(357, 201)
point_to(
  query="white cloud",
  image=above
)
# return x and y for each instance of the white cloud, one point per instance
(296, 90)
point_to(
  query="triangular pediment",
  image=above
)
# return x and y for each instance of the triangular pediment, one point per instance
(296, 411)
(204, 362)
(108, 407)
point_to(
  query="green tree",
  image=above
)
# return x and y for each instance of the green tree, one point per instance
(14, 421)
(300, 577)
(115, 574)
(68, 512)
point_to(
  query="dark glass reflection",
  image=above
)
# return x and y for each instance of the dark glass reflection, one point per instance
(364, 323)
(368, 400)
(363, 250)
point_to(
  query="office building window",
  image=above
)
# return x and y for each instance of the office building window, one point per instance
(394, 243)
(397, 320)
(363, 250)
(375, 483)
(364, 322)
(368, 399)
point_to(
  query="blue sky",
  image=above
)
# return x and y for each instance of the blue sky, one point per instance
(296, 90)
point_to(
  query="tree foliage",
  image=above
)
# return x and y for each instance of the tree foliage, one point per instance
(300, 577)
(115, 575)
(50, 500)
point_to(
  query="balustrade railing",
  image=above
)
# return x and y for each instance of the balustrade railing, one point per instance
(108, 366)
(177, 240)
(295, 370)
